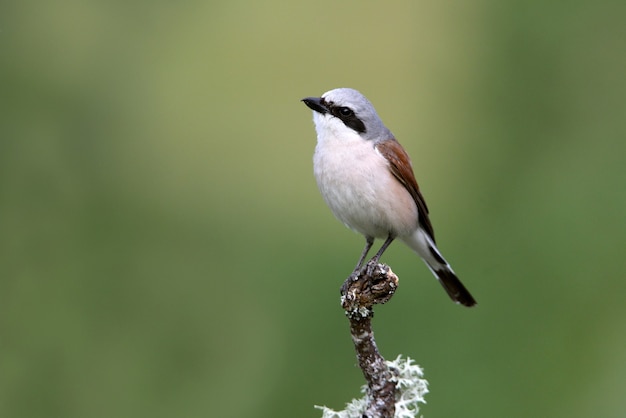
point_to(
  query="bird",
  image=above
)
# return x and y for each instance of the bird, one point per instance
(366, 178)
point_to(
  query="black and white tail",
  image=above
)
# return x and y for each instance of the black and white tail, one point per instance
(425, 247)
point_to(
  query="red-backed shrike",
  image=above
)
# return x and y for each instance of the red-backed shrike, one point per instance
(365, 177)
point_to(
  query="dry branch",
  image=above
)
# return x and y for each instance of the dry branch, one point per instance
(374, 285)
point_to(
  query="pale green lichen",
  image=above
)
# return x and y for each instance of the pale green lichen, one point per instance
(411, 390)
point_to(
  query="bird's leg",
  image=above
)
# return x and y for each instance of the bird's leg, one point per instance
(374, 261)
(369, 241)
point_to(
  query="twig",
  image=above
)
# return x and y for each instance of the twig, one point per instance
(375, 285)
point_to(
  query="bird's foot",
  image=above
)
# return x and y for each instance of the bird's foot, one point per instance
(370, 267)
(368, 285)
(353, 277)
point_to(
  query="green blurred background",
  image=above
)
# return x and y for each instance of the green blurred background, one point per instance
(164, 250)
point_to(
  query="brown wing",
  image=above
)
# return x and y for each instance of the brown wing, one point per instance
(400, 166)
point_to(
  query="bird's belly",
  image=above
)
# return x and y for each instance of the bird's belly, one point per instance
(362, 193)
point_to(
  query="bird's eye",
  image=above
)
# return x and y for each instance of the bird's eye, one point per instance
(345, 111)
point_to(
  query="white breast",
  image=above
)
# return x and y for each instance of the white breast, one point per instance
(356, 183)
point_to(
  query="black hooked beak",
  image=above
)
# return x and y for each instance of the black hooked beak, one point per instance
(317, 104)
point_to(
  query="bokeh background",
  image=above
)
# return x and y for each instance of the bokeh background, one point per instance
(164, 250)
